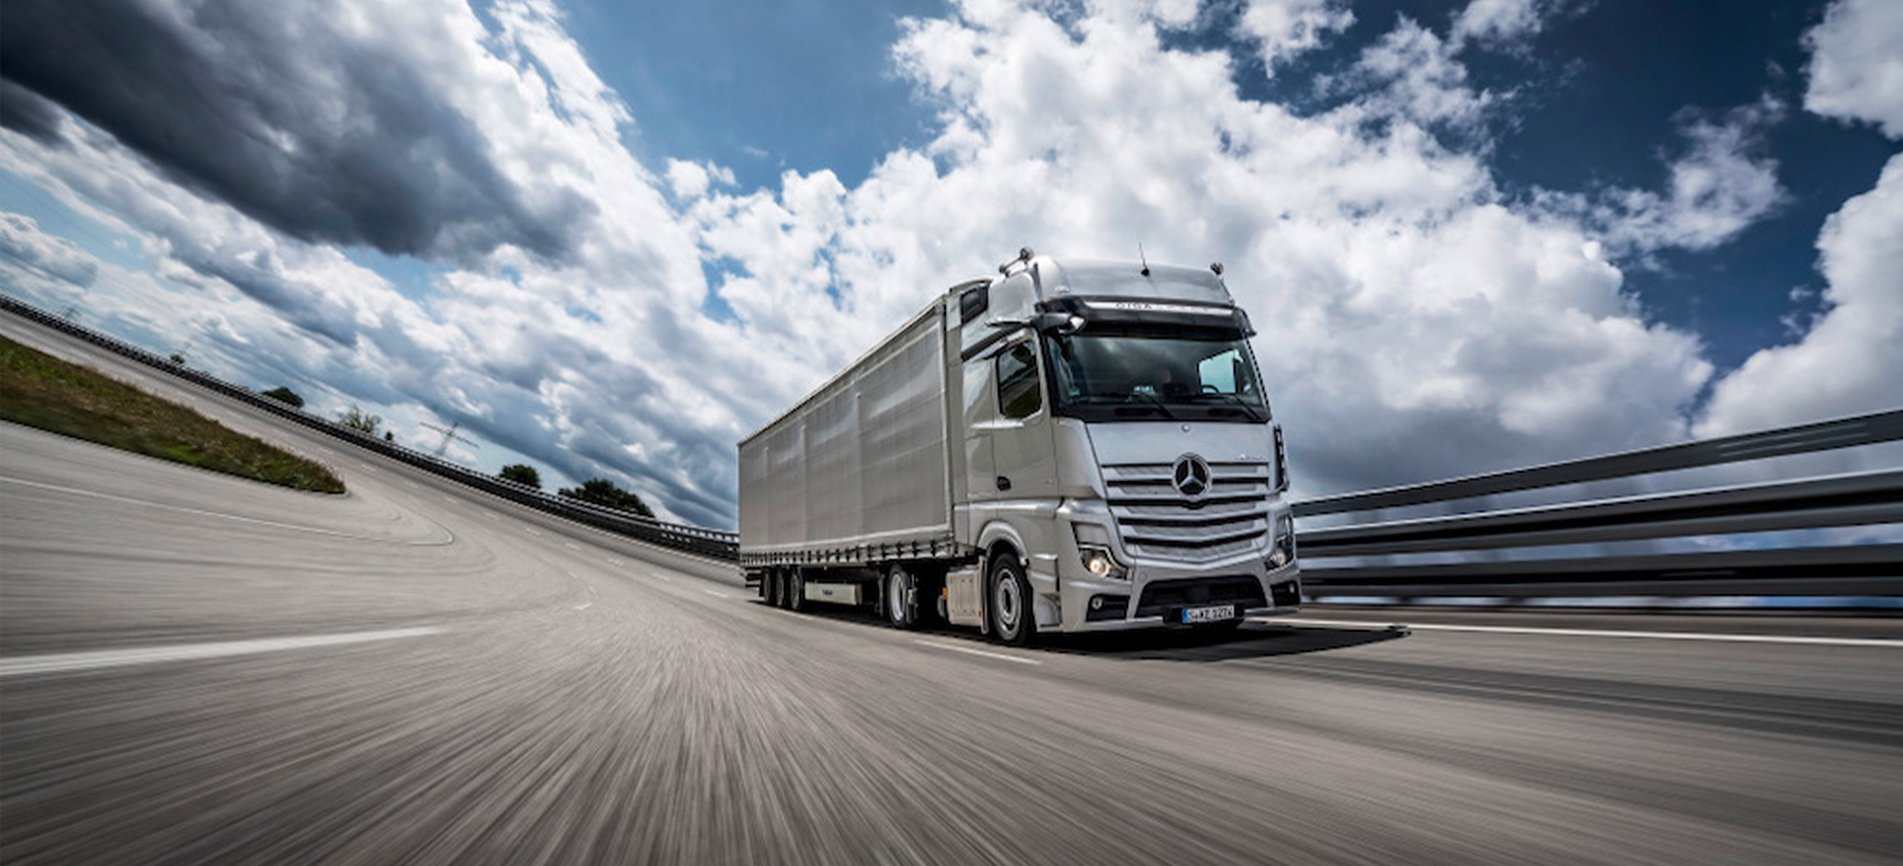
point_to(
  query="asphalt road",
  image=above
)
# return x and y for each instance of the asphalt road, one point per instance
(199, 669)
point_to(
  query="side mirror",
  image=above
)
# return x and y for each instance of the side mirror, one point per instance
(1061, 324)
(1008, 324)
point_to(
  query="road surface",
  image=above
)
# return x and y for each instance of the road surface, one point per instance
(200, 669)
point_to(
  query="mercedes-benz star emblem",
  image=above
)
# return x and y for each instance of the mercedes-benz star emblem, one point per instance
(1190, 475)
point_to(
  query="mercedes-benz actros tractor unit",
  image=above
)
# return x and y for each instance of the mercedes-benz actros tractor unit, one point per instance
(1065, 447)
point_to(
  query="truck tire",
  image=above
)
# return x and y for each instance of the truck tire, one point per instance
(770, 586)
(780, 595)
(796, 589)
(1008, 604)
(898, 598)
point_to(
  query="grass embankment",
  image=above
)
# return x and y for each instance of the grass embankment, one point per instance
(39, 390)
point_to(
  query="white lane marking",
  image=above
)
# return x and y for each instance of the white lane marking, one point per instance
(219, 514)
(615, 561)
(448, 498)
(571, 546)
(977, 652)
(1594, 632)
(716, 593)
(413, 485)
(665, 577)
(531, 531)
(80, 661)
(492, 516)
(585, 605)
(370, 469)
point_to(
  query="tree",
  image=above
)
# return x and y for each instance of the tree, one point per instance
(177, 358)
(360, 421)
(602, 492)
(285, 395)
(522, 473)
(389, 437)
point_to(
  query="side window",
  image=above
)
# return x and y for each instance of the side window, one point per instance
(973, 302)
(1018, 394)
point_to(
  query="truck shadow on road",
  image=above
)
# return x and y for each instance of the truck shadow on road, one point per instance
(1250, 640)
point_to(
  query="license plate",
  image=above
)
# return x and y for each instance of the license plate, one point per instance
(1213, 613)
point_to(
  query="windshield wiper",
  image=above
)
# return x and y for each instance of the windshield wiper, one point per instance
(1155, 401)
(1125, 401)
(1246, 407)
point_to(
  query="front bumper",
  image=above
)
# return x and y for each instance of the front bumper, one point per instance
(1154, 596)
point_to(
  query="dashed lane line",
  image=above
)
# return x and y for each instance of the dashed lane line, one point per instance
(81, 661)
(977, 652)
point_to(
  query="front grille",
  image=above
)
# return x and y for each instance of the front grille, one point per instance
(1160, 596)
(1288, 593)
(1158, 522)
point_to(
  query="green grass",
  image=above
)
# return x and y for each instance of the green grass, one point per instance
(39, 390)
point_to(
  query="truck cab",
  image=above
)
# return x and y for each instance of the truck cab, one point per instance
(1120, 466)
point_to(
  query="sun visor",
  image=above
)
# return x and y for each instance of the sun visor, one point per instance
(1123, 313)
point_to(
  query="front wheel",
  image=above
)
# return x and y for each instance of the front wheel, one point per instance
(1012, 619)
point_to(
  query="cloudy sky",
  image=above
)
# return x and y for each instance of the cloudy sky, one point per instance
(612, 240)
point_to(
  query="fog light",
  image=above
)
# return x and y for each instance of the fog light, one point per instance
(1096, 602)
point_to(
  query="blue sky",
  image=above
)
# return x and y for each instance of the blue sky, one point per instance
(807, 86)
(611, 240)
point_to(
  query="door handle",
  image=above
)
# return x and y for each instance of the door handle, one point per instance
(1004, 483)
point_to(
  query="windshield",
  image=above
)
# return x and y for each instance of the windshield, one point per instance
(1136, 376)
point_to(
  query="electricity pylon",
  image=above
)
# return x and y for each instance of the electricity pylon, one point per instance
(449, 433)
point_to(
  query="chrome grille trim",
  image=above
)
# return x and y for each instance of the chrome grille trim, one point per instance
(1157, 522)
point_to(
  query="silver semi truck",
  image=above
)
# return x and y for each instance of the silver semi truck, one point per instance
(1066, 447)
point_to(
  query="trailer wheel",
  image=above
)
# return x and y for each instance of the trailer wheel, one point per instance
(781, 576)
(900, 598)
(1010, 614)
(796, 586)
(770, 586)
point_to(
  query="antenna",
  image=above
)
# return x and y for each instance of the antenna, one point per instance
(1144, 259)
(1024, 255)
(449, 433)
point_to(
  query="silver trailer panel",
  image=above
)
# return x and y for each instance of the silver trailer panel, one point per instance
(862, 461)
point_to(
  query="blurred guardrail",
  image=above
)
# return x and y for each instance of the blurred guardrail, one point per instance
(1835, 501)
(1474, 538)
(696, 539)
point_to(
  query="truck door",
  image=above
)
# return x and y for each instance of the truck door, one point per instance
(1023, 458)
(981, 414)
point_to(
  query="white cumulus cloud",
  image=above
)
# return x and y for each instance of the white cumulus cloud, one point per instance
(1856, 68)
(1416, 323)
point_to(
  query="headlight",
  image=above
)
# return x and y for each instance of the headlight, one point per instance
(1093, 548)
(1284, 551)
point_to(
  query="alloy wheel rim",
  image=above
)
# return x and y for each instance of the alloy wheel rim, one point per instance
(1008, 602)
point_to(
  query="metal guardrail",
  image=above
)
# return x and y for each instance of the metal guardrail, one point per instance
(696, 539)
(1835, 501)
(1858, 499)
